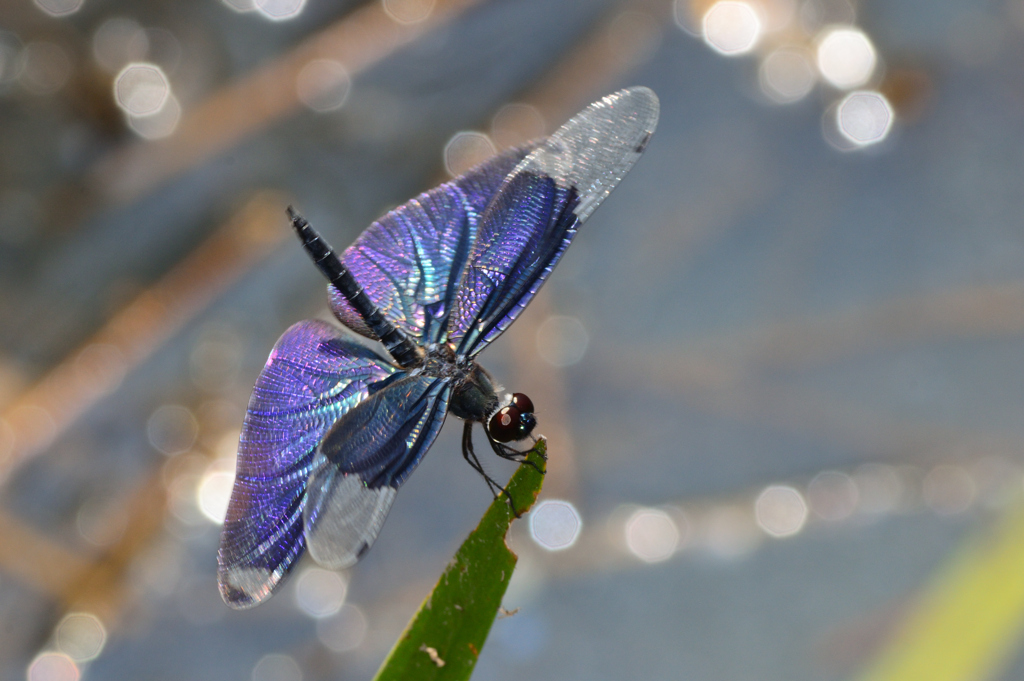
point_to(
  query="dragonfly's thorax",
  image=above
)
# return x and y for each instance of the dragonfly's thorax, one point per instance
(474, 396)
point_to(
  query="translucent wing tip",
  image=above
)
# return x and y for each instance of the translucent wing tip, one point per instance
(638, 102)
(595, 149)
(242, 587)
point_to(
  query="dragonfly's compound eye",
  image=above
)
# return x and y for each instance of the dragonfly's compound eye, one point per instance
(527, 422)
(523, 403)
(504, 426)
(509, 423)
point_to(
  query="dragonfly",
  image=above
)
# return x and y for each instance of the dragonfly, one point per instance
(334, 427)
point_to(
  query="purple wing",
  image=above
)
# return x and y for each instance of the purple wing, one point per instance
(362, 462)
(537, 210)
(313, 377)
(410, 261)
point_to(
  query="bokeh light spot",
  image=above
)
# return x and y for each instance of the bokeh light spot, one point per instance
(409, 11)
(59, 8)
(879, 488)
(157, 570)
(182, 499)
(277, 667)
(345, 631)
(81, 636)
(52, 666)
(466, 149)
(651, 535)
(158, 46)
(864, 118)
(141, 89)
(214, 490)
(117, 42)
(776, 15)
(949, 489)
(280, 10)
(786, 75)
(172, 429)
(323, 85)
(320, 593)
(996, 477)
(515, 124)
(730, 532)
(832, 495)
(780, 511)
(240, 6)
(846, 57)
(216, 358)
(814, 14)
(686, 20)
(45, 69)
(562, 341)
(159, 125)
(732, 28)
(555, 525)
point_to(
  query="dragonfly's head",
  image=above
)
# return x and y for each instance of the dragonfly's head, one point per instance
(514, 421)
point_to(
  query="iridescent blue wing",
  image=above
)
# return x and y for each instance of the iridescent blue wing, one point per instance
(313, 376)
(362, 462)
(539, 207)
(410, 260)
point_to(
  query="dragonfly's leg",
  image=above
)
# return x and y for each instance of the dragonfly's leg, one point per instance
(510, 454)
(470, 456)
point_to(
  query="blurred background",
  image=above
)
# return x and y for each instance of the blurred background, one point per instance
(781, 369)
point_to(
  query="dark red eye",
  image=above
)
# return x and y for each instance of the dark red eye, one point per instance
(504, 426)
(523, 403)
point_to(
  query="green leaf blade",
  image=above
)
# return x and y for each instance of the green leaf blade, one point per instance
(444, 639)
